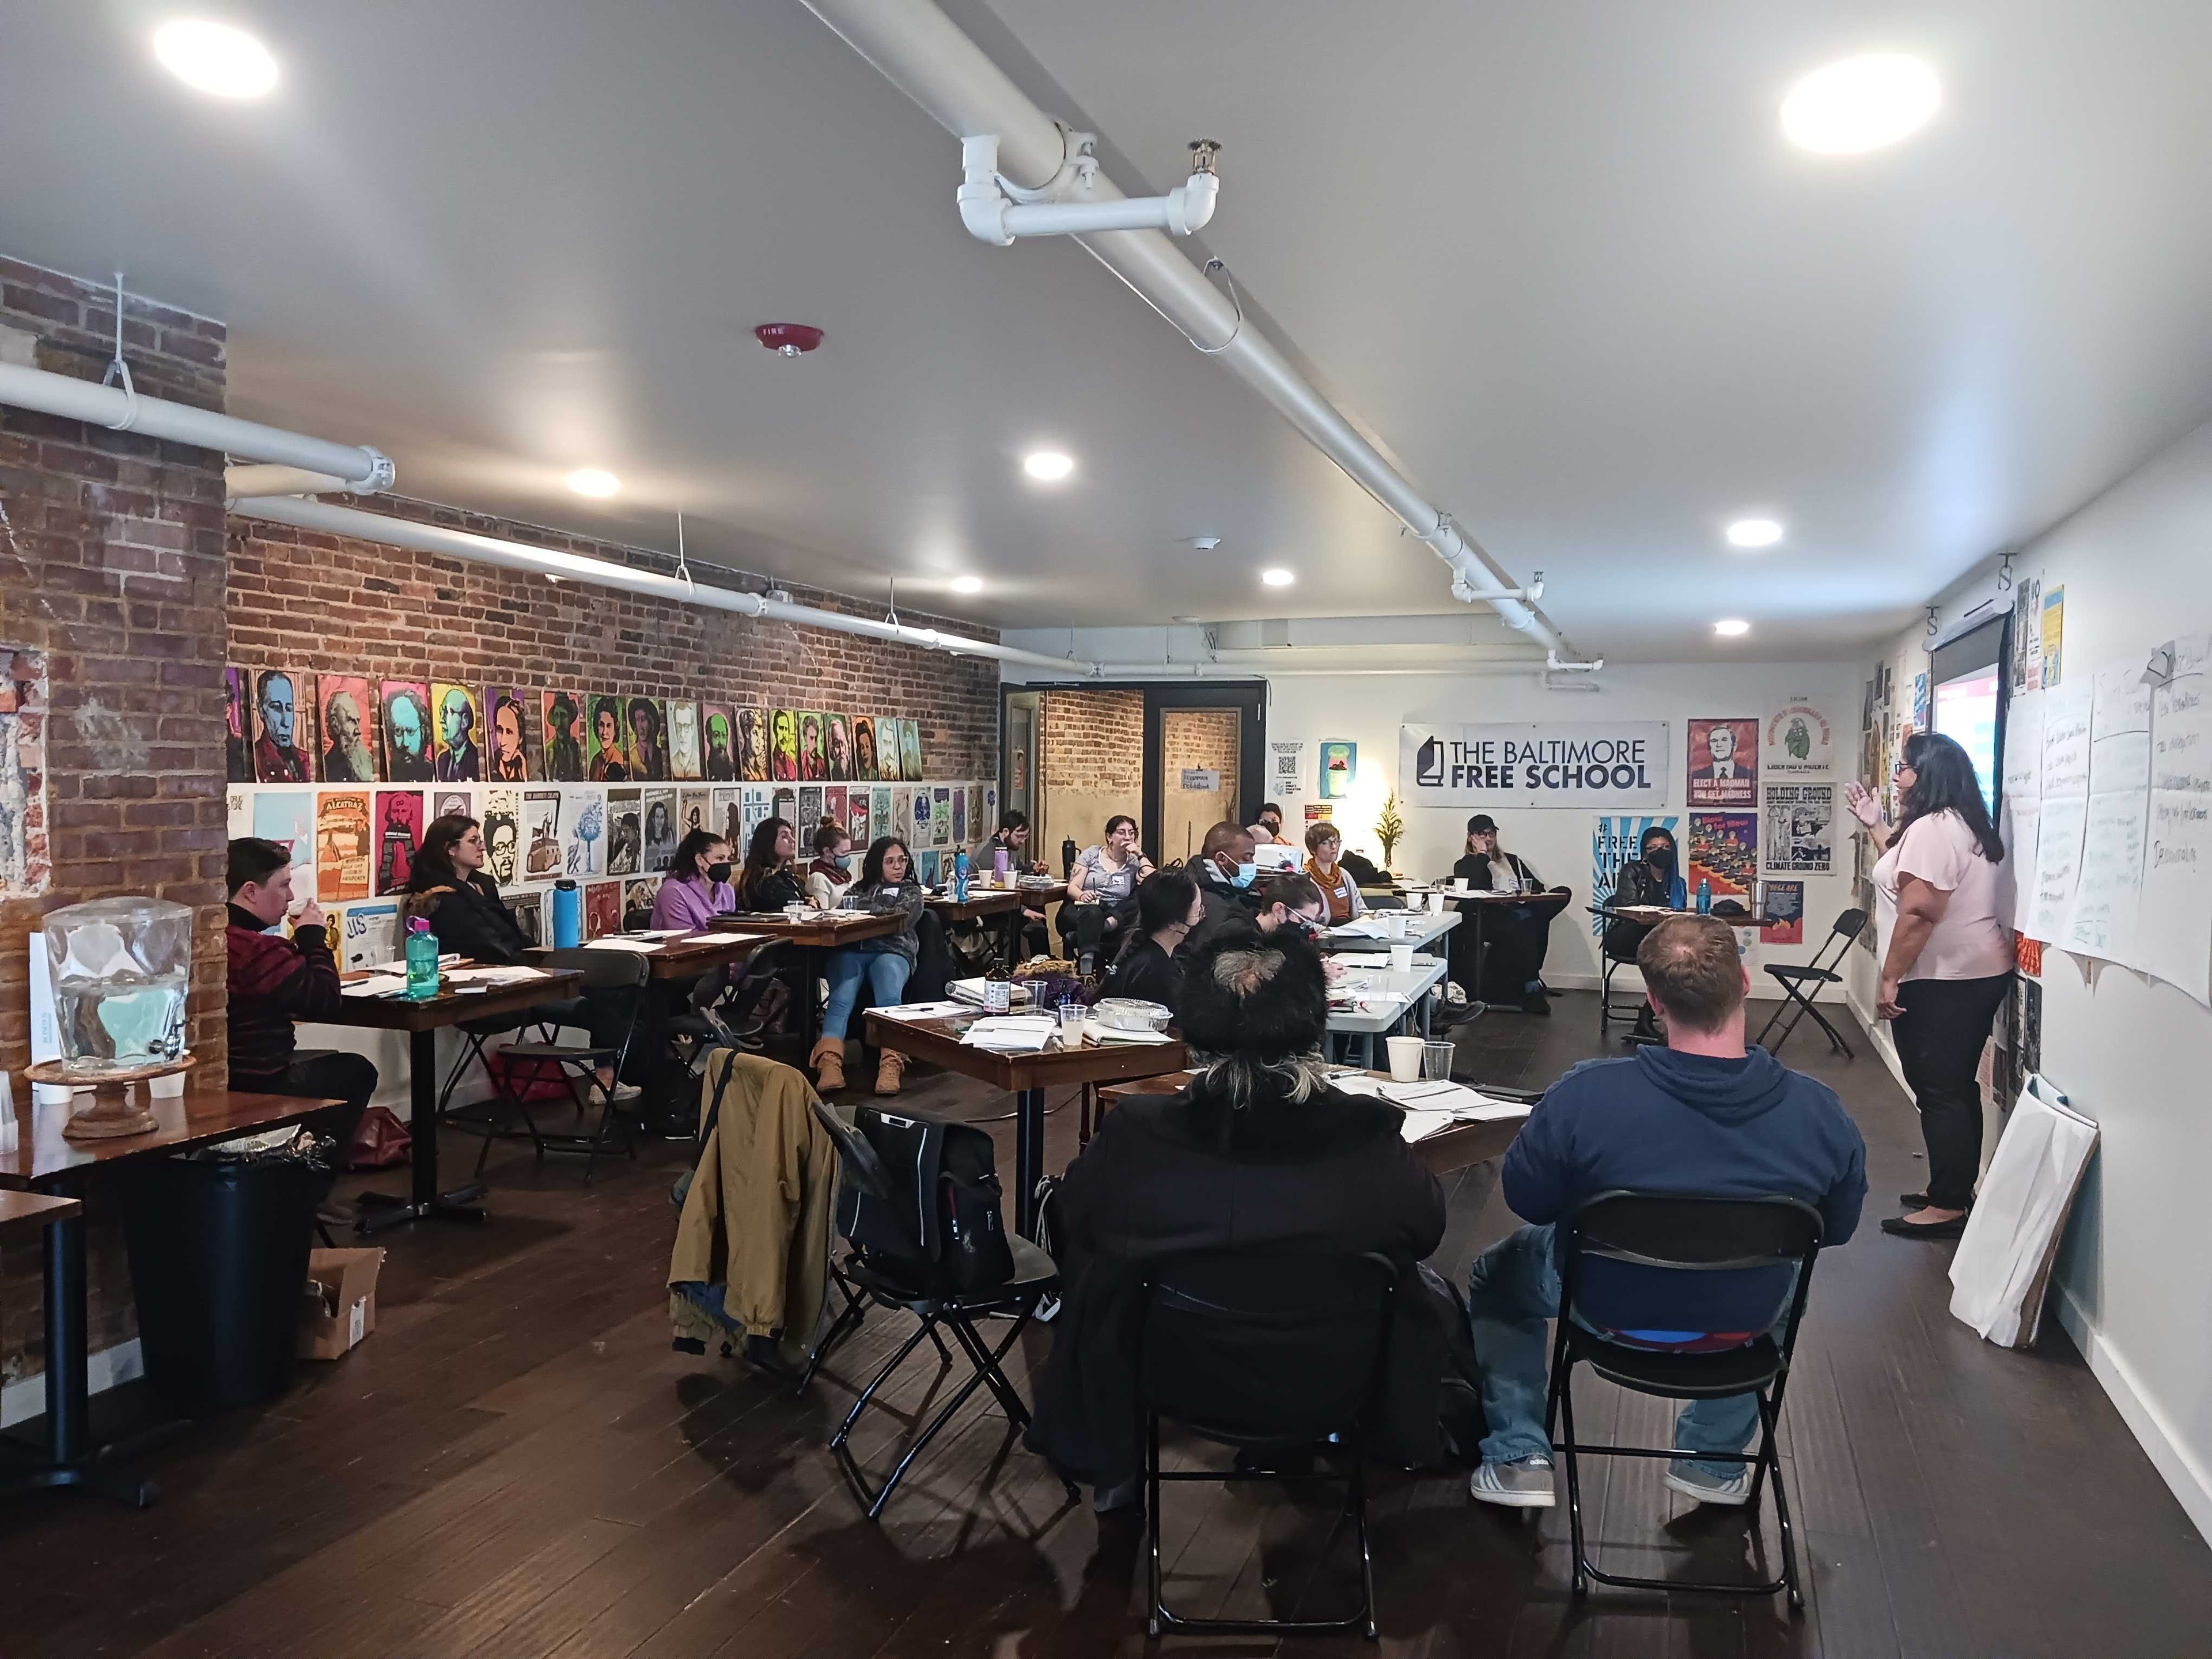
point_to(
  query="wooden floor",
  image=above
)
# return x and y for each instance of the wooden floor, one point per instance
(516, 1464)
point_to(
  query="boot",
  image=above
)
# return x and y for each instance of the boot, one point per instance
(828, 1060)
(887, 1071)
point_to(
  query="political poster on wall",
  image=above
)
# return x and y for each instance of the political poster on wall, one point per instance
(1723, 851)
(1550, 763)
(1614, 841)
(1724, 762)
(1800, 827)
(1797, 741)
(1340, 765)
(1785, 908)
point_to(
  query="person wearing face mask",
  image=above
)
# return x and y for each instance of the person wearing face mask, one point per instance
(1324, 844)
(697, 887)
(1267, 830)
(1168, 908)
(831, 871)
(1514, 937)
(1652, 876)
(1224, 870)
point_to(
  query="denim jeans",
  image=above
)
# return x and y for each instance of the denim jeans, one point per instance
(885, 971)
(1512, 1290)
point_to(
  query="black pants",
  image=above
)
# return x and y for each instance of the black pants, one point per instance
(1515, 941)
(348, 1077)
(1939, 1045)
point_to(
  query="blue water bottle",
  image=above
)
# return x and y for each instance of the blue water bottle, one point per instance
(1704, 896)
(960, 876)
(568, 915)
(422, 961)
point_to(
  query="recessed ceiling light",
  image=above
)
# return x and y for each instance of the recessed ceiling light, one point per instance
(593, 480)
(1729, 627)
(1277, 578)
(1861, 104)
(1047, 464)
(1754, 532)
(214, 57)
(967, 584)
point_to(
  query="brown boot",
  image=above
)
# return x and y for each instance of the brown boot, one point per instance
(828, 1060)
(887, 1071)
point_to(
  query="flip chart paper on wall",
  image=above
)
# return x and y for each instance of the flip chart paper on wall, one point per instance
(2023, 800)
(2065, 808)
(2174, 930)
(2103, 920)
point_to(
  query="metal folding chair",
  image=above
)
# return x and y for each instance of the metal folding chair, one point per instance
(1794, 977)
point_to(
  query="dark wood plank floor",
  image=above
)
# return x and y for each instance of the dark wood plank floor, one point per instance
(517, 1465)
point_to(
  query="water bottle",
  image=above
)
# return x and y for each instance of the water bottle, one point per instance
(422, 961)
(960, 876)
(568, 915)
(1704, 896)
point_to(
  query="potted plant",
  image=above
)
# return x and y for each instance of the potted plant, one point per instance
(1389, 829)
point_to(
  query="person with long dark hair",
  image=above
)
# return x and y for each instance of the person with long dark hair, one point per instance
(887, 886)
(1942, 903)
(1168, 908)
(767, 882)
(697, 887)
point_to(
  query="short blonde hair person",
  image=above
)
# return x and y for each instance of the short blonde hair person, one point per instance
(1320, 833)
(1694, 971)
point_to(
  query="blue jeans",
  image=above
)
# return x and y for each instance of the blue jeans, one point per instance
(885, 971)
(1512, 1290)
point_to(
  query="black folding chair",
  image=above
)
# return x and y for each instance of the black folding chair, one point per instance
(1609, 1010)
(1274, 1352)
(1682, 1234)
(1794, 977)
(868, 1278)
(626, 973)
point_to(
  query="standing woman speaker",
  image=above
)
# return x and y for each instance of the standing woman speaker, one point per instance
(1942, 904)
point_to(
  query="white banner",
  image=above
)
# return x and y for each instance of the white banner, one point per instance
(1570, 763)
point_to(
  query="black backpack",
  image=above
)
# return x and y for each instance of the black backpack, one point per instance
(928, 1212)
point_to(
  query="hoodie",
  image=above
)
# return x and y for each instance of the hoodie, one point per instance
(1664, 1122)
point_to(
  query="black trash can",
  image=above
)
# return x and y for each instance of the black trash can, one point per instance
(218, 1262)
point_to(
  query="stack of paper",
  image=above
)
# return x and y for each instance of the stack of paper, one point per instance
(376, 985)
(1435, 1097)
(622, 942)
(917, 1011)
(1013, 1034)
(970, 991)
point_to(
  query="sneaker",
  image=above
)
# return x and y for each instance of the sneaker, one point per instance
(1693, 1482)
(1523, 1484)
(625, 1093)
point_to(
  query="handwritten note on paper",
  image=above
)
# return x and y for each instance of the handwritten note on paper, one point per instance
(2023, 750)
(2058, 866)
(2103, 919)
(2174, 930)
(2066, 739)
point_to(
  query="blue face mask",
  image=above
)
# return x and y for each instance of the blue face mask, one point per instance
(1246, 875)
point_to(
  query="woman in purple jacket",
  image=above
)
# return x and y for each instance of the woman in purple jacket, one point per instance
(697, 887)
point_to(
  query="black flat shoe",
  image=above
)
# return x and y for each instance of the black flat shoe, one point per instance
(1916, 1200)
(1899, 1227)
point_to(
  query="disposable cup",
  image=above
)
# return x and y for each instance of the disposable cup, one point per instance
(1402, 959)
(1405, 1054)
(1437, 903)
(1437, 1060)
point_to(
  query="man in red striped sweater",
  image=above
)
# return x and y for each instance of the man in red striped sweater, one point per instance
(275, 981)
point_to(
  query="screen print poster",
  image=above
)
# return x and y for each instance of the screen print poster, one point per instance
(1724, 762)
(1723, 851)
(1339, 767)
(1614, 840)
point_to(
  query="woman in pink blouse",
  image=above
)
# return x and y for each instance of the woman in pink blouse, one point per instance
(697, 887)
(1942, 908)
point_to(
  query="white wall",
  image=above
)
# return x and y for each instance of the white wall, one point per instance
(2134, 1279)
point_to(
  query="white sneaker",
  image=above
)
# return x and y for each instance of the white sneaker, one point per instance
(1523, 1484)
(625, 1093)
(1733, 1490)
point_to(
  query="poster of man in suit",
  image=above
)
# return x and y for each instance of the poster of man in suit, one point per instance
(1725, 763)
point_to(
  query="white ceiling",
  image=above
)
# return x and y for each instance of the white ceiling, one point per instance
(1556, 258)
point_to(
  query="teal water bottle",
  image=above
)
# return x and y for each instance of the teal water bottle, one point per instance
(960, 876)
(1705, 897)
(422, 961)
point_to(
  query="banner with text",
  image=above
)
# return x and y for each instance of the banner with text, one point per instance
(1570, 764)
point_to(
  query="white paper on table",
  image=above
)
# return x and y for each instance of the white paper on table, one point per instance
(1112, 1034)
(2173, 935)
(616, 942)
(919, 1010)
(2102, 921)
(376, 985)
(1013, 1034)
(1453, 1100)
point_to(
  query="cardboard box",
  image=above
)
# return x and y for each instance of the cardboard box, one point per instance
(339, 1305)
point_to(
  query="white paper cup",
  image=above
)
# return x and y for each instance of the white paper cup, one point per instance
(1402, 959)
(1405, 1058)
(1436, 903)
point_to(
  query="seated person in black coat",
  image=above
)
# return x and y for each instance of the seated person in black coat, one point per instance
(1168, 908)
(1258, 1151)
(1514, 936)
(1650, 878)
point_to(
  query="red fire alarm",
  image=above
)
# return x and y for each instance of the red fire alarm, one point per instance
(788, 339)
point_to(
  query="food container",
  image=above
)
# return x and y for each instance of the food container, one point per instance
(119, 968)
(1128, 1014)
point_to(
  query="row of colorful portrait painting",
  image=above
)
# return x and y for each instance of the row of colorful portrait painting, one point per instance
(288, 726)
(361, 843)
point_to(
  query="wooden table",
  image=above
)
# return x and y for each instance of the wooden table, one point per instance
(41, 1167)
(813, 937)
(1456, 1148)
(1001, 905)
(1026, 1076)
(689, 957)
(422, 1022)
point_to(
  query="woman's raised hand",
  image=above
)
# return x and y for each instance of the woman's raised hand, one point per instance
(1864, 807)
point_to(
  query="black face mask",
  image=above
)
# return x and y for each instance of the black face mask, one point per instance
(1659, 855)
(717, 873)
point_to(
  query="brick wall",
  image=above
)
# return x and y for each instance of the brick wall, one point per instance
(1208, 739)
(112, 564)
(1091, 759)
(303, 599)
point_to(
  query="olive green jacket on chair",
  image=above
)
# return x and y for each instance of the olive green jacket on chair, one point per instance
(758, 1218)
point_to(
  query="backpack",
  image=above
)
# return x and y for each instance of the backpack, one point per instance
(938, 1223)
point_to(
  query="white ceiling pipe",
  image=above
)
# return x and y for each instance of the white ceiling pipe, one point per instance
(1071, 207)
(1274, 671)
(258, 479)
(357, 466)
(550, 561)
(923, 54)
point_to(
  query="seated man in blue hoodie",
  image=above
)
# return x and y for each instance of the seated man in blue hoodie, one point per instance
(1704, 1114)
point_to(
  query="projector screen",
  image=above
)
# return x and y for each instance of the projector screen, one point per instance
(1967, 675)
